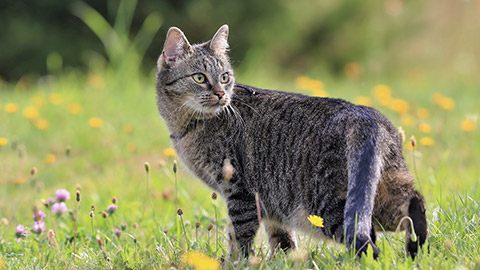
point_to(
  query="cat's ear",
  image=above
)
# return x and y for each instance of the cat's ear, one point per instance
(219, 42)
(176, 47)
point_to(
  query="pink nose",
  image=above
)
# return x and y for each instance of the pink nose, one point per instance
(219, 94)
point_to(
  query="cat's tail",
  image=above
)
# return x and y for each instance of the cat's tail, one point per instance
(364, 157)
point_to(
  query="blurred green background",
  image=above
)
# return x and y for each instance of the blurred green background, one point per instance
(412, 40)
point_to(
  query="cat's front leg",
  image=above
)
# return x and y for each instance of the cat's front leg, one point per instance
(243, 214)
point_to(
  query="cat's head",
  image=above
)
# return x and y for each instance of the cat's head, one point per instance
(195, 78)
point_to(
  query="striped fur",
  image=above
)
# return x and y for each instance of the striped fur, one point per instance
(303, 155)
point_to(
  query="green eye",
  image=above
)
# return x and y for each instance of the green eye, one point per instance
(199, 77)
(224, 78)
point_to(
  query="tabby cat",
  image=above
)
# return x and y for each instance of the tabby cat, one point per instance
(302, 155)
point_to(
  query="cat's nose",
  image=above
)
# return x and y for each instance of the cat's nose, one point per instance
(219, 94)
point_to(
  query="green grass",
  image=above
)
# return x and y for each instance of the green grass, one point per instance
(109, 162)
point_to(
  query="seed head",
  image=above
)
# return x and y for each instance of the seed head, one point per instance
(33, 171)
(227, 170)
(104, 214)
(174, 166)
(99, 241)
(114, 200)
(197, 224)
(79, 187)
(135, 225)
(165, 231)
(147, 167)
(77, 195)
(93, 207)
(210, 227)
(179, 212)
(51, 238)
(413, 141)
(401, 132)
(68, 150)
(92, 214)
(214, 196)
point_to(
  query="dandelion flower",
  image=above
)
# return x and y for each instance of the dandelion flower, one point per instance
(128, 129)
(62, 195)
(50, 158)
(96, 81)
(169, 152)
(399, 105)
(55, 99)
(95, 122)
(466, 125)
(11, 108)
(132, 147)
(30, 112)
(352, 70)
(424, 127)
(444, 102)
(3, 141)
(42, 124)
(315, 220)
(427, 141)
(74, 108)
(423, 113)
(383, 94)
(200, 261)
(59, 208)
(362, 100)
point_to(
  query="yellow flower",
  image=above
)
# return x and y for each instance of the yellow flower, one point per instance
(38, 101)
(352, 70)
(427, 141)
(444, 102)
(55, 98)
(2, 263)
(399, 105)
(362, 100)
(3, 141)
(407, 120)
(424, 127)
(95, 122)
(50, 158)
(132, 147)
(383, 94)
(467, 125)
(11, 108)
(42, 124)
(96, 81)
(314, 86)
(423, 113)
(30, 112)
(128, 129)
(200, 261)
(315, 220)
(19, 181)
(169, 152)
(74, 108)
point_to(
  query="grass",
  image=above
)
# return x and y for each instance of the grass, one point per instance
(99, 137)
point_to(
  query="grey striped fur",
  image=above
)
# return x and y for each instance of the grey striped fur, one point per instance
(303, 155)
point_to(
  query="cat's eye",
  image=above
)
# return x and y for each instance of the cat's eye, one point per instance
(199, 78)
(224, 78)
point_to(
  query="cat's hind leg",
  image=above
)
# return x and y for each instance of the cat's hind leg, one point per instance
(278, 237)
(364, 167)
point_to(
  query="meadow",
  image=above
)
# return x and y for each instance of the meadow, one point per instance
(101, 141)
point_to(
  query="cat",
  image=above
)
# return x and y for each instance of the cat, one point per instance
(302, 155)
